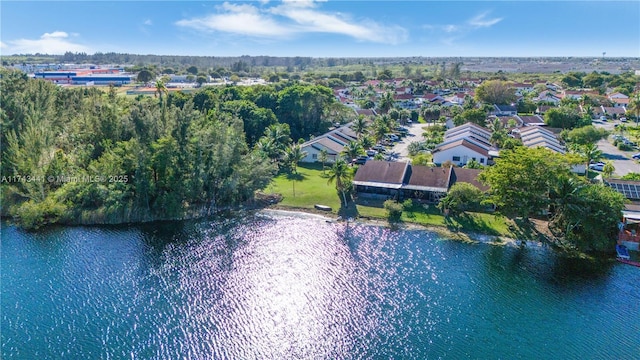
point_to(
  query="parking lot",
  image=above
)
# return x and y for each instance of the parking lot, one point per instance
(621, 160)
(401, 148)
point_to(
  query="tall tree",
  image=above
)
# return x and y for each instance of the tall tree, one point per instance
(590, 152)
(359, 125)
(386, 102)
(340, 173)
(495, 92)
(520, 179)
(323, 156)
(293, 155)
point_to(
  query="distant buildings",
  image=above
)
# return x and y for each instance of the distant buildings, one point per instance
(97, 76)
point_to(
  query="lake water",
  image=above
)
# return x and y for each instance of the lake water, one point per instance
(278, 286)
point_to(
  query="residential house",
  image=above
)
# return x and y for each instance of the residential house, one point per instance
(629, 234)
(381, 179)
(547, 97)
(333, 142)
(531, 120)
(460, 152)
(541, 109)
(405, 101)
(504, 110)
(468, 130)
(536, 136)
(620, 102)
(522, 88)
(399, 180)
(366, 112)
(614, 112)
(427, 183)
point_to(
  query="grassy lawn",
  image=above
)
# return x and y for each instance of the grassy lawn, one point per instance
(311, 188)
(307, 188)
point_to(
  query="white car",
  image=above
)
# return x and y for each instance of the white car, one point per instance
(597, 166)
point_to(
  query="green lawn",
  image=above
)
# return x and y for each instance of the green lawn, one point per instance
(307, 188)
(311, 187)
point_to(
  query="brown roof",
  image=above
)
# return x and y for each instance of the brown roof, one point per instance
(469, 176)
(614, 110)
(531, 119)
(433, 178)
(365, 112)
(381, 172)
(333, 147)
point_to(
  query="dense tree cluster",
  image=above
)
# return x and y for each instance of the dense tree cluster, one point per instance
(87, 156)
(532, 182)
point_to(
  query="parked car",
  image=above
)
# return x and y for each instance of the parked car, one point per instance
(603, 118)
(359, 161)
(623, 119)
(371, 152)
(636, 156)
(599, 166)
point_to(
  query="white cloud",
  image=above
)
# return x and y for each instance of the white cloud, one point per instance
(450, 33)
(481, 20)
(290, 18)
(238, 19)
(57, 42)
(148, 22)
(3, 45)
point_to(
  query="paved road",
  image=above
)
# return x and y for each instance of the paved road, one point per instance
(622, 161)
(414, 135)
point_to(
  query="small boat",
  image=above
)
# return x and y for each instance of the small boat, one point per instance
(322, 207)
(622, 251)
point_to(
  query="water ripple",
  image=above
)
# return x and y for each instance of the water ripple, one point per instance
(297, 287)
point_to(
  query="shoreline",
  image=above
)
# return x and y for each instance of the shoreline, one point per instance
(462, 236)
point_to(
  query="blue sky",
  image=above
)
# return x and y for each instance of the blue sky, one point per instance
(324, 28)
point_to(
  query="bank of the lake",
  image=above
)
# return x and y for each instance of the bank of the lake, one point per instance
(283, 285)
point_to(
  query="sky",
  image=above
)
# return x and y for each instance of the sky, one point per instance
(372, 28)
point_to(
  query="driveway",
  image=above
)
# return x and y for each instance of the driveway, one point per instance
(621, 160)
(401, 148)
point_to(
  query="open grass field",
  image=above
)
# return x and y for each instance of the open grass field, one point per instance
(310, 187)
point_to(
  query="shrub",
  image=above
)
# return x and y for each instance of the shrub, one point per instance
(407, 204)
(33, 214)
(624, 147)
(462, 197)
(394, 210)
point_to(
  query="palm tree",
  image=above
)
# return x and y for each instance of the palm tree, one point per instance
(293, 155)
(352, 150)
(279, 134)
(366, 142)
(341, 174)
(161, 89)
(267, 148)
(564, 199)
(386, 102)
(608, 169)
(591, 153)
(634, 107)
(323, 156)
(359, 125)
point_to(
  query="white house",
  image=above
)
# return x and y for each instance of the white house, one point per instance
(333, 142)
(467, 129)
(460, 152)
(536, 136)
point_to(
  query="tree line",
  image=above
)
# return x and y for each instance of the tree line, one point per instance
(83, 155)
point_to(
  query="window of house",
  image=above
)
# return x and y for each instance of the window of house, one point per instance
(314, 156)
(474, 159)
(456, 158)
(481, 160)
